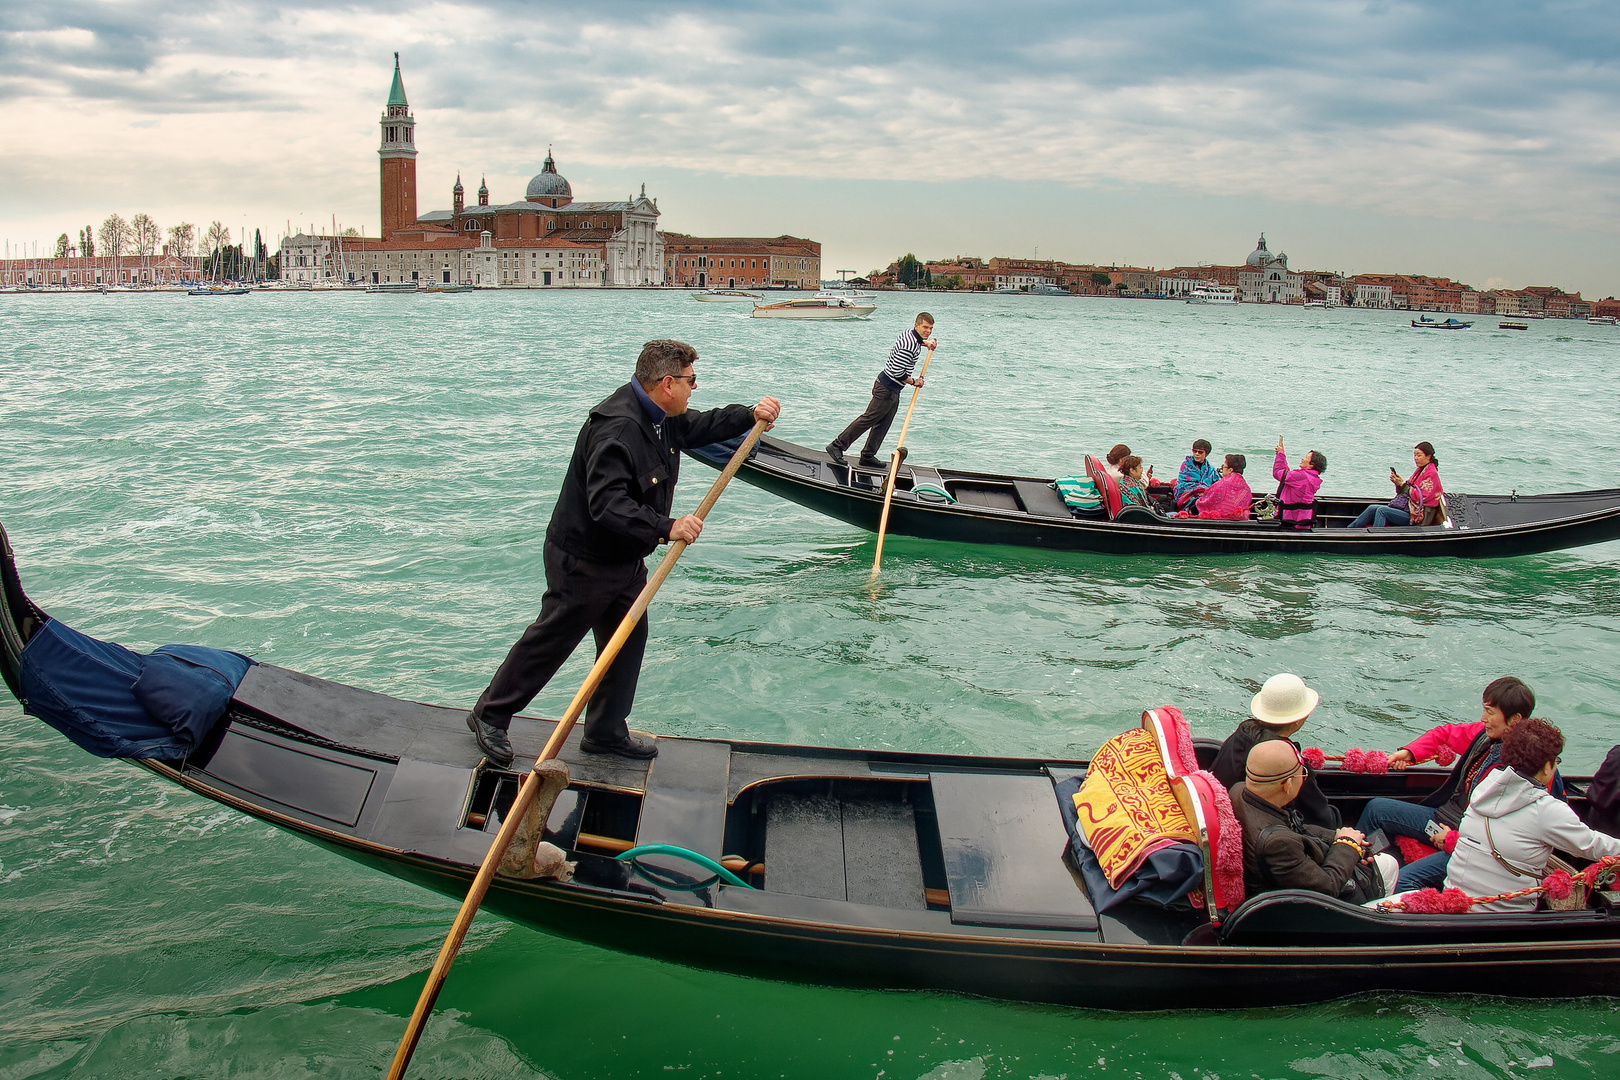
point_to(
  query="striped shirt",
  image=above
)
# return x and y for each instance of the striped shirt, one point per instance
(902, 358)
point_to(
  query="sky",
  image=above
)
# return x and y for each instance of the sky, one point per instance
(1477, 140)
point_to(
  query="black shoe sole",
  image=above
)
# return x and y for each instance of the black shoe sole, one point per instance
(494, 755)
(618, 751)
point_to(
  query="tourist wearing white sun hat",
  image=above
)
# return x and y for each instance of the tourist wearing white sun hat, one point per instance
(1277, 712)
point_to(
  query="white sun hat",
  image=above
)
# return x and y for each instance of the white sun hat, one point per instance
(1283, 699)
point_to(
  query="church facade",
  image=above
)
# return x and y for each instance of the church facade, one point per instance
(1266, 279)
(547, 221)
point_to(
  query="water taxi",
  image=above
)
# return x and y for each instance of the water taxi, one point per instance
(726, 296)
(816, 307)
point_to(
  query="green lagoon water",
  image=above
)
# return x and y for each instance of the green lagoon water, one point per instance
(357, 486)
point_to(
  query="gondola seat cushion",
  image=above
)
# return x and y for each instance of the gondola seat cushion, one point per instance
(116, 703)
(1107, 486)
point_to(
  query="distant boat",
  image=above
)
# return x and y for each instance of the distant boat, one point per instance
(1512, 326)
(1423, 322)
(725, 296)
(816, 307)
(1213, 294)
(216, 291)
(1602, 320)
(1048, 289)
(393, 287)
(1316, 303)
(446, 287)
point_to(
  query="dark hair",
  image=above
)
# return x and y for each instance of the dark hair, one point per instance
(1428, 450)
(1119, 451)
(1129, 462)
(923, 316)
(1236, 462)
(661, 358)
(1202, 444)
(1318, 461)
(1510, 695)
(1529, 744)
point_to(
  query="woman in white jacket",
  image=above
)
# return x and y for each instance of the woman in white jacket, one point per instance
(1513, 823)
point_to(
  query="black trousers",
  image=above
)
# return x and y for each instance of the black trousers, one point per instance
(877, 418)
(580, 596)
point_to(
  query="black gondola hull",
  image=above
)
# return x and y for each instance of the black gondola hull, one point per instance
(1529, 525)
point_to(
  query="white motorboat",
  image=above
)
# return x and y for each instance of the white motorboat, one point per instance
(816, 307)
(726, 296)
(393, 287)
(1213, 294)
(1602, 320)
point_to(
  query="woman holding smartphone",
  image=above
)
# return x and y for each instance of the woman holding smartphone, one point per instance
(1417, 498)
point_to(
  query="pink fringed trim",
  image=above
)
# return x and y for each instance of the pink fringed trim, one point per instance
(1434, 902)
(1444, 756)
(1450, 841)
(1355, 760)
(1377, 761)
(1313, 757)
(1597, 869)
(1558, 885)
(1182, 740)
(1229, 845)
(1413, 850)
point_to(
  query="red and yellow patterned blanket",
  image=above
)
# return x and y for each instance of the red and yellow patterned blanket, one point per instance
(1126, 806)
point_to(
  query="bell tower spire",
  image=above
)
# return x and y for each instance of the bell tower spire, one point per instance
(398, 159)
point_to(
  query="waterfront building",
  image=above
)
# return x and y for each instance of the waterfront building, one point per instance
(972, 273)
(1372, 291)
(72, 271)
(1266, 279)
(711, 262)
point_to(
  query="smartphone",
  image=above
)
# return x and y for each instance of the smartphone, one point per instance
(1377, 842)
(1435, 831)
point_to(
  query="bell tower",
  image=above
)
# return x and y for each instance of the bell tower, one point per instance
(398, 160)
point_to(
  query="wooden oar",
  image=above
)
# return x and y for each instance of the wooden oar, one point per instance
(531, 783)
(894, 470)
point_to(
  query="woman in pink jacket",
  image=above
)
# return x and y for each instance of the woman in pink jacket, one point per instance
(1421, 491)
(1297, 492)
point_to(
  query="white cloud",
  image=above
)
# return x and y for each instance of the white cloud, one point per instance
(270, 111)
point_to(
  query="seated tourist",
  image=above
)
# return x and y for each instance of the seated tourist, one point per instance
(1506, 700)
(1296, 495)
(1197, 475)
(1282, 851)
(1417, 498)
(1229, 498)
(1277, 712)
(1111, 464)
(1514, 823)
(1132, 484)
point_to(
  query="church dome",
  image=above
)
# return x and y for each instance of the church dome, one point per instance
(1260, 256)
(548, 185)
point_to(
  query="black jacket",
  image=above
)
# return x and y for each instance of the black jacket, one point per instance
(616, 499)
(1233, 760)
(1281, 851)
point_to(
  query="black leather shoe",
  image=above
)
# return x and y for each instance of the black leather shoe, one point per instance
(837, 455)
(629, 746)
(491, 740)
(869, 461)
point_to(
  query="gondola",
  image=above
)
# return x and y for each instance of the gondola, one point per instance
(843, 867)
(1025, 511)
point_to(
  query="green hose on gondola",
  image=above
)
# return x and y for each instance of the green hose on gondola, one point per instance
(665, 881)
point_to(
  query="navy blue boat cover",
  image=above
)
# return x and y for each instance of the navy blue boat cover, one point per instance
(117, 703)
(1164, 878)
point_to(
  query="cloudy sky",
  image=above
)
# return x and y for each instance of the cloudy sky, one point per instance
(1479, 140)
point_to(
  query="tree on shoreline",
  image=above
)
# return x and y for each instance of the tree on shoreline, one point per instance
(145, 234)
(87, 243)
(114, 235)
(182, 238)
(63, 248)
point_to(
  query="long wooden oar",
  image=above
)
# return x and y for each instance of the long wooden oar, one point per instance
(894, 470)
(531, 783)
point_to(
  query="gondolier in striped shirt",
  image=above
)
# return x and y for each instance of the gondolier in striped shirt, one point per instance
(895, 377)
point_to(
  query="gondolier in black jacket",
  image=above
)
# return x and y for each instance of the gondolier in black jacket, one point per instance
(612, 513)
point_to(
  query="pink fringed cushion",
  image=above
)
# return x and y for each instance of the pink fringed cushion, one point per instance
(1433, 902)
(1226, 839)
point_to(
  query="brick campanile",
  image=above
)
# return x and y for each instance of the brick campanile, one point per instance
(398, 154)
